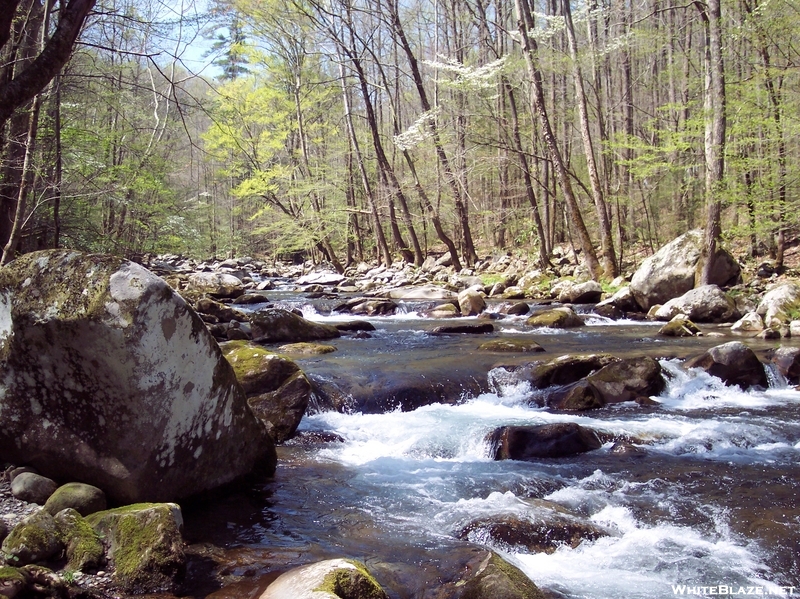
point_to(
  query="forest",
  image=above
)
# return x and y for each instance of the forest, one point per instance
(385, 130)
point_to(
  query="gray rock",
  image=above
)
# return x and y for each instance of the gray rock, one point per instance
(707, 303)
(679, 326)
(556, 318)
(113, 380)
(471, 302)
(672, 271)
(589, 292)
(734, 363)
(330, 579)
(216, 284)
(282, 410)
(787, 360)
(749, 323)
(779, 304)
(33, 488)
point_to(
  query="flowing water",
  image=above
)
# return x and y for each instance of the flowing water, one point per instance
(709, 500)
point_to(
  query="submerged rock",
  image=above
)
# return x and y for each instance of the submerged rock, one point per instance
(330, 579)
(112, 379)
(734, 363)
(544, 441)
(468, 329)
(511, 346)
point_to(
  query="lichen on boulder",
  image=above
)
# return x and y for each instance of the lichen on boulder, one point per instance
(113, 380)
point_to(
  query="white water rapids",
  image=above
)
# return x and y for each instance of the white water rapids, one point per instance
(429, 472)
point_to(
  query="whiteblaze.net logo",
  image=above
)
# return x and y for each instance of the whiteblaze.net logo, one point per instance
(729, 590)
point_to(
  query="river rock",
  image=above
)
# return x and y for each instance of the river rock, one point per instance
(426, 292)
(679, 326)
(33, 488)
(374, 307)
(306, 348)
(218, 310)
(257, 369)
(33, 540)
(518, 309)
(355, 326)
(628, 380)
(564, 370)
(84, 499)
(787, 361)
(282, 410)
(707, 303)
(542, 530)
(623, 299)
(144, 545)
(511, 346)
(489, 576)
(321, 278)
(673, 270)
(215, 284)
(471, 302)
(589, 292)
(113, 380)
(529, 443)
(330, 579)
(275, 325)
(464, 329)
(83, 546)
(447, 310)
(780, 304)
(734, 363)
(749, 323)
(576, 397)
(556, 318)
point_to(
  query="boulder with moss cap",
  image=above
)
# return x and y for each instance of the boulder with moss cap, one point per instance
(144, 544)
(33, 540)
(84, 549)
(113, 380)
(83, 498)
(489, 576)
(330, 579)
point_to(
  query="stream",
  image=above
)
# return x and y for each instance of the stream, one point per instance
(709, 500)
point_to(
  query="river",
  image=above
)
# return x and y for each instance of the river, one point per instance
(710, 499)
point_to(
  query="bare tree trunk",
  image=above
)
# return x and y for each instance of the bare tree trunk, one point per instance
(606, 238)
(714, 104)
(529, 47)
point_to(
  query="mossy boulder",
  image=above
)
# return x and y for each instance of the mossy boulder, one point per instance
(330, 579)
(84, 548)
(491, 577)
(306, 348)
(12, 582)
(257, 369)
(273, 325)
(144, 544)
(556, 318)
(83, 498)
(110, 378)
(34, 540)
(511, 346)
(680, 326)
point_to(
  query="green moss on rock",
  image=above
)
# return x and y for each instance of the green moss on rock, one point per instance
(145, 545)
(349, 583)
(258, 370)
(84, 547)
(33, 540)
(557, 318)
(495, 578)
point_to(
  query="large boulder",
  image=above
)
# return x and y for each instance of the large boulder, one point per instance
(673, 270)
(589, 292)
(110, 378)
(707, 303)
(529, 443)
(84, 499)
(628, 380)
(471, 302)
(273, 325)
(329, 579)
(734, 363)
(780, 304)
